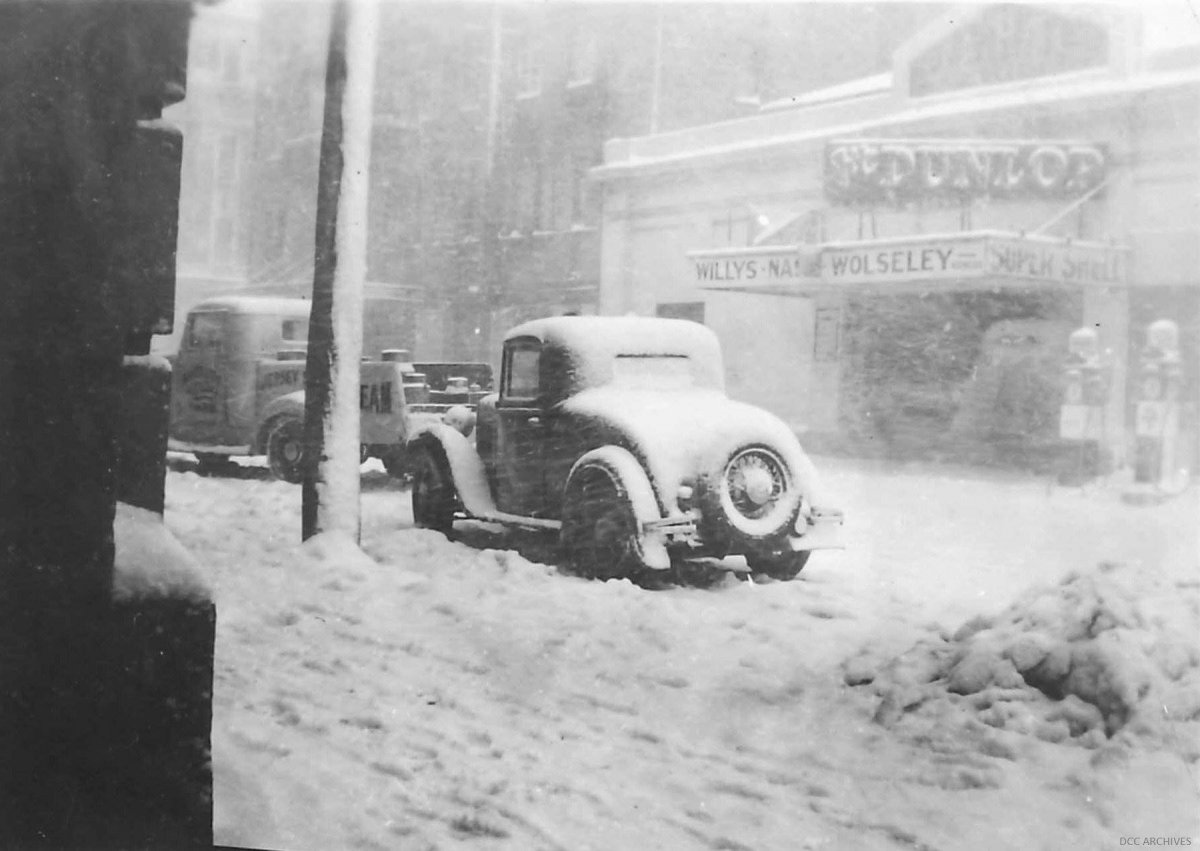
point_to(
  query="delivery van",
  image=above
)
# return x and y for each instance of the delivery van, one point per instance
(238, 388)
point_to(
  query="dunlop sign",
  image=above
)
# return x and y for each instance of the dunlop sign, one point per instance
(898, 171)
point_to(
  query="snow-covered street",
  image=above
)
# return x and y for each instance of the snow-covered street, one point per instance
(438, 694)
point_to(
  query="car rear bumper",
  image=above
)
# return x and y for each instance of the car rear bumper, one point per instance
(821, 529)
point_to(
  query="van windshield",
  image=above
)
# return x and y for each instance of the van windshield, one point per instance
(206, 330)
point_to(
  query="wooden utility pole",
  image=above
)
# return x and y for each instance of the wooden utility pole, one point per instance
(331, 414)
(491, 270)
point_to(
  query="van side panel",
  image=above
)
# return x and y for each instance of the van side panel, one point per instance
(382, 404)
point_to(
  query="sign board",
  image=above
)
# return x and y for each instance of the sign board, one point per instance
(926, 261)
(1057, 262)
(982, 256)
(755, 268)
(897, 171)
(1080, 422)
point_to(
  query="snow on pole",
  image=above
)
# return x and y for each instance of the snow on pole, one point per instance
(332, 460)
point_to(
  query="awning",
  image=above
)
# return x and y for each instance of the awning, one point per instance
(958, 261)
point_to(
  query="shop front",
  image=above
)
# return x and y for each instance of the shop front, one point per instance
(901, 270)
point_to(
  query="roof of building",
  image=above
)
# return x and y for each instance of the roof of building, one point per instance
(876, 84)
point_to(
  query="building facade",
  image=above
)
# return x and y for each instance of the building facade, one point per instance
(218, 120)
(488, 120)
(897, 261)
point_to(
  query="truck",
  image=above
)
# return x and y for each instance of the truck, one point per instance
(238, 389)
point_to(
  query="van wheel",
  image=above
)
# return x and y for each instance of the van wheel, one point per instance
(210, 463)
(433, 495)
(599, 530)
(285, 449)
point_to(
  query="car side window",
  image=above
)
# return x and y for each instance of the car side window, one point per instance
(522, 370)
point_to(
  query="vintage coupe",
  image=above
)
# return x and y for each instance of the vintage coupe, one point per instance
(616, 433)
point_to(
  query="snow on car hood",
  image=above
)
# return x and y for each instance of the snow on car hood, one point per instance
(685, 432)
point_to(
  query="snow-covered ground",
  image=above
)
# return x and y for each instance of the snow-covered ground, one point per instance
(437, 694)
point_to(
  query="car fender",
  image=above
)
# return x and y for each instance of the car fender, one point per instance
(290, 404)
(466, 467)
(625, 469)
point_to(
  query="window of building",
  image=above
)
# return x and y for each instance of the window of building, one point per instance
(578, 201)
(225, 195)
(275, 238)
(231, 61)
(826, 333)
(529, 71)
(526, 200)
(226, 166)
(205, 56)
(690, 310)
(733, 231)
(583, 59)
(224, 233)
(548, 191)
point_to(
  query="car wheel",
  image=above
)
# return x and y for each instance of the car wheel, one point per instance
(395, 461)
(433, 494)
(782, 566)
(599, 531)
(285, 449)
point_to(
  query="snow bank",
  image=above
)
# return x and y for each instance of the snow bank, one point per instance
(1106, 656)
(150, 562)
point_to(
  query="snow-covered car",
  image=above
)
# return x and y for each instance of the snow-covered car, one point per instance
(616, 433)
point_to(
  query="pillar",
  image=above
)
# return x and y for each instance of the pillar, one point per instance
(106, 626)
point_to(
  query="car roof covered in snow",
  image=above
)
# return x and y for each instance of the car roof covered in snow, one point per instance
(607, 336)
(272, 305)
(591, 344)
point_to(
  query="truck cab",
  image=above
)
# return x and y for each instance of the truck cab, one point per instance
(238, 388)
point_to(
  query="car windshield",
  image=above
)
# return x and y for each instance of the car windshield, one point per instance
(653, 372)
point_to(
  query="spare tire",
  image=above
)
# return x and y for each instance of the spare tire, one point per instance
(752, 495)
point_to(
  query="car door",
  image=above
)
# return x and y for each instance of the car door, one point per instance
(521, 429)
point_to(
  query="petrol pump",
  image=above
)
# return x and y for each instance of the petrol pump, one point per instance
(1156, 420)
(1085, 395)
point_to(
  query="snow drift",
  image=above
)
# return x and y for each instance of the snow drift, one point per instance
(1104, 658)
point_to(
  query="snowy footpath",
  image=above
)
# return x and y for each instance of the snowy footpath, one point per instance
(993, 663)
